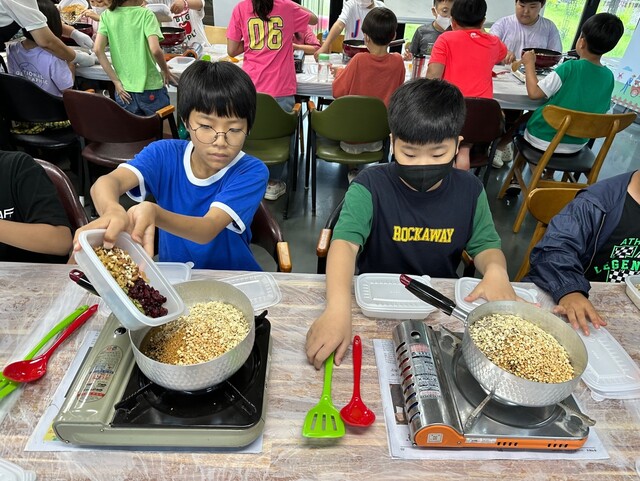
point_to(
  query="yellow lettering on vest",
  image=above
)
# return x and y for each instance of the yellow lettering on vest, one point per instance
(396, 233)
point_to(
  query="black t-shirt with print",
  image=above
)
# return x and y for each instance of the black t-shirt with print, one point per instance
(28, 195)
(619, 257)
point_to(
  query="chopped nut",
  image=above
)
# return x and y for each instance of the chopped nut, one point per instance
(210, 330)
(522, 348)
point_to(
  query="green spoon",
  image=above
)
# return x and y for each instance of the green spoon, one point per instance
(323, 420)
(7, 386)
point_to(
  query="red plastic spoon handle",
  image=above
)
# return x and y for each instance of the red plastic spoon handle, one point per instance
(357, 364)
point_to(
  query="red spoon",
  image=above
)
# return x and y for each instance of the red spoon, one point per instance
(356, 413)
(27, 371)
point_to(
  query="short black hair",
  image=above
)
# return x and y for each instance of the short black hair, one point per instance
(542, 2)
(48, 8)
(219, 88)
(380, 25)
(424, 111)
(602, 32)
(469, 13)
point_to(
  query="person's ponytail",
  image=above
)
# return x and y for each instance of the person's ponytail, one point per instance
(262, 8)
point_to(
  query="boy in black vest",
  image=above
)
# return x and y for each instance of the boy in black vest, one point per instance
(415, 215)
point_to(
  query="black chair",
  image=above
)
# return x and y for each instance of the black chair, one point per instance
(67, 194)
(483, 127)
(266, 233)
(24, 101)
(112, 135)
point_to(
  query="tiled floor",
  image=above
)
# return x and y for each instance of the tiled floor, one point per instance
(301, 229)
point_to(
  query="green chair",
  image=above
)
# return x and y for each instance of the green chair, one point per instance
(274, 139)
(353, 118)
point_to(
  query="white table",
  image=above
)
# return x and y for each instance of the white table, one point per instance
(507, 90)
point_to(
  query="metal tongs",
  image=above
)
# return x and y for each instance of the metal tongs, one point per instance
(80, 278)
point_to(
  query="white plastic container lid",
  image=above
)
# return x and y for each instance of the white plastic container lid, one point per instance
(632, 290)
(260, 287)
(175, 272)
(117, 300)
(384, 296)
(465, 285)
(610, 373)
(13, 472)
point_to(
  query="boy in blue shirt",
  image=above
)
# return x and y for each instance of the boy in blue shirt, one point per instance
(415, 215)
(207, 190)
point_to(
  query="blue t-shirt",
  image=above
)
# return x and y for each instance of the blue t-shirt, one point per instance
(164, 171)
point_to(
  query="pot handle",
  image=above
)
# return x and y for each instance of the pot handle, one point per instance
(428, 294)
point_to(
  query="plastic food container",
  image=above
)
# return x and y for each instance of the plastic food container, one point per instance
(260, 287)
(632, 290)
(610, 373)
(117, 300)
(384, 296)
(465, 285)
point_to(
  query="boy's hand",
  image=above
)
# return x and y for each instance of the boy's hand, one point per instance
(178, 6)
(494, 286)
(114, 222)
(509, 58)
(335, 71)
(529, 59)
(324, 48)
(142, 218)
(579, 310)
(124, 95)
(169, 78)
(330, 332)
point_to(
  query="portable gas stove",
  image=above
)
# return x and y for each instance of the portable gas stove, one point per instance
(111, 403)
(440, 397)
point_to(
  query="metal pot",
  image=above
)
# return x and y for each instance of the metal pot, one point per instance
(172, 36)
(545, 58)
(195, 377)
(503, 386)
(353, 47)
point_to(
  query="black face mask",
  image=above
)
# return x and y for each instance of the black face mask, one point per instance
(423, 177)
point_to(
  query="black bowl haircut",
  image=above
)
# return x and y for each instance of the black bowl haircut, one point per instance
(424, 111)
(218, 88)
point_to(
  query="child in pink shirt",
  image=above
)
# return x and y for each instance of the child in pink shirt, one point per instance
(263, 30)
(466, 56)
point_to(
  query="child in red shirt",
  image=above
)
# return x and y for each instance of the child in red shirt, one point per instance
(376, 73)
(466, 56)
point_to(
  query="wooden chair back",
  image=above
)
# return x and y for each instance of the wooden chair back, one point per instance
(585, 125)
(544, 204)
(215, 35)
(266, 233)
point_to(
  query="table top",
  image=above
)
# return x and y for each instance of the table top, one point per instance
(35, 297)
(507, 90)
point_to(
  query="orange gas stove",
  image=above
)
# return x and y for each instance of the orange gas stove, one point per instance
(443, 401)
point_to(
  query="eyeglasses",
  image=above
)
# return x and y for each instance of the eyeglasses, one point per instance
(208, 135)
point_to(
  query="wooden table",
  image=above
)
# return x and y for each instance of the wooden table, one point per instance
(31, 291)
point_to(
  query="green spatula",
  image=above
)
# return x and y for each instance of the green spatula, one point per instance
(323, 420)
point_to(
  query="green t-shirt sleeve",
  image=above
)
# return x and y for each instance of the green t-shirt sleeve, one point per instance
(152, 26)
(354, 223)
(484, 234)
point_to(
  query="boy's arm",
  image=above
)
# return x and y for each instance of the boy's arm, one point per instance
(495, 285)
(41, 238)
(99, 47)
(105, 193)
(234, 48)
(336, 30)
(533, 89)
(147, 215)
(332, 330)
(435, 70)
(158, 55)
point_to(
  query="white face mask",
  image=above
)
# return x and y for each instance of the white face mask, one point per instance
(98, 10)
(363, 3)
(443, 22)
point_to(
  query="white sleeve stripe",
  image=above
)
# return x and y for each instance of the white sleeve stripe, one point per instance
(143, 192)
(237, 225)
